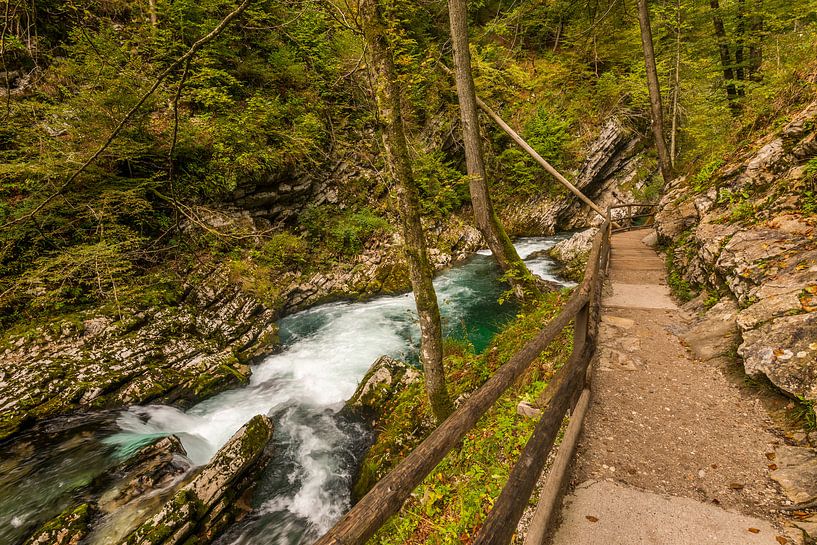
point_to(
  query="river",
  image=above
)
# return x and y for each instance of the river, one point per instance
(325, 351)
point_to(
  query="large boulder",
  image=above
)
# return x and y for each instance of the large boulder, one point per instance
(384, 379)
(572, 253)
(208, 502)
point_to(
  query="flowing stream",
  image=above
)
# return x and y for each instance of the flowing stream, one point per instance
(326, 350)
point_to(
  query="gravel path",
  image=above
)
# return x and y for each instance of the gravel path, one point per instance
(662, 423)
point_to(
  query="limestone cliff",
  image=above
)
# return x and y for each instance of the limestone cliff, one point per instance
(747, 232)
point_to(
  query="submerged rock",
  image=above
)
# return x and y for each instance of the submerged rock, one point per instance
(69, 528)
(211, 500)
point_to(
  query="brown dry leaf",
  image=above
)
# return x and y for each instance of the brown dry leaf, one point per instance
(770, 455)
(773, 467)
(812, 289)
(591, 518)
(754, 530)
(782, 540)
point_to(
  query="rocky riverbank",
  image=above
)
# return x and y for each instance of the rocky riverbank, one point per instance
(747, 234)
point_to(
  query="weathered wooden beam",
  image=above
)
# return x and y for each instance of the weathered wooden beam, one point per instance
(532, 152)
(555, 482)
(388, 495)
(501, 522)
(538, 158)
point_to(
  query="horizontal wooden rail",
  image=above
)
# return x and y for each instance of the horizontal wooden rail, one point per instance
(503, 519)
(389, 494)
(627, 222)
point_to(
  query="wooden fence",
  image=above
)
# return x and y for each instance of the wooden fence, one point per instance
(566, 389)
(636, 216)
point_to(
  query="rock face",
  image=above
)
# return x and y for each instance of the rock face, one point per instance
(201, 343)
(608, 176)
(209, 502)
(385, 378)
(572, 253)
(745, 236)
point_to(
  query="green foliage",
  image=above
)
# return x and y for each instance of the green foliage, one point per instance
(283, 252)
(549, 136)
(803, 413)
(703, 179)
(455, 498)
(344, 233)
(443, 189)
(808, 200)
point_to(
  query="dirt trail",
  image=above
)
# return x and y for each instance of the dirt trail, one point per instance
(672, 450)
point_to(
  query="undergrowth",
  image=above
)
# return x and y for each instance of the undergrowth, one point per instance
(455, 498)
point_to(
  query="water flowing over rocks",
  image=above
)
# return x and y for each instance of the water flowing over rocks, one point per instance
(200, 344)
(213, 498)
(765, 261)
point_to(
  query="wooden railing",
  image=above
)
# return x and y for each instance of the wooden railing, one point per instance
(566, 388)
(637, 216)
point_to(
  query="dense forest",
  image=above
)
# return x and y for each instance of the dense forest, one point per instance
(178, 178)
(280, 102)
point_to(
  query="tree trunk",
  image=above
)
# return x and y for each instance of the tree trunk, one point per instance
(154, 21)
(740, 32)
(676, 85)
(655, 91)
(522, 281)
(387, 94)
(755, 43)
(726, 58)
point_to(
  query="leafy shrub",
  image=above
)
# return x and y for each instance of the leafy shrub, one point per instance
(548, 135)
(345, 233)
(443, 189)
(352, 231)
(701, 181)
(284, 251)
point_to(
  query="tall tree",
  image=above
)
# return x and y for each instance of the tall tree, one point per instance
(522, 281)
(726, 56)
(664, 162)
(387, 94)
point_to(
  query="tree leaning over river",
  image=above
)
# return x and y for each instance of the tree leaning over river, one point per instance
(522, 281)
(387, 94)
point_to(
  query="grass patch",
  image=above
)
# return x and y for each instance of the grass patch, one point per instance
(456, 497)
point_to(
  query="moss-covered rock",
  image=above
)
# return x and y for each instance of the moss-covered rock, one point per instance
(209, 499)
(68, 528)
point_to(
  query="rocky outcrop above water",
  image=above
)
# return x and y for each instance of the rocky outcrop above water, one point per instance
(384, 379)
(572, 254)
(216, 495)
(200, 343)
(746, 235)
(608, 176)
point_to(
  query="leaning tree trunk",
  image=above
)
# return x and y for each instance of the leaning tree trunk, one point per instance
(522, 281)
(387, 94)
(726, 57)
(664, 162)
